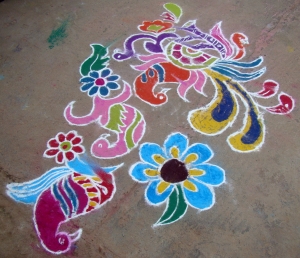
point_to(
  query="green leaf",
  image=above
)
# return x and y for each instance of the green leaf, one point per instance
(96, 61)
(175, 209)
(115, 118)
(174, 9)
(131, 129)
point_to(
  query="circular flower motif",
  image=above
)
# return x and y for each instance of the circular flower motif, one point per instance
(100, 82)
(64, 147)
(156, 26)
(180, 170)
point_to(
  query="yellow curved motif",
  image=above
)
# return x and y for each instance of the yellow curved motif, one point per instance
(235, 140)
(252, 116)
(202, 119)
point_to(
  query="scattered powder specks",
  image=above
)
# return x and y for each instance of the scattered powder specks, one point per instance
(58, 35)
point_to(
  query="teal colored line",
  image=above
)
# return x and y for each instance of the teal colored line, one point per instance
(58, 35)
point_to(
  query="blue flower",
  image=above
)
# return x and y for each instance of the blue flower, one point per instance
(178, 166)
(100, 82)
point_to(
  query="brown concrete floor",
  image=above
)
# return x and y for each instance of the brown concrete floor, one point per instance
(257, 211)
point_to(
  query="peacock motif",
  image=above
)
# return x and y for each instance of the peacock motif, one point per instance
(189, 61)
(64, 193)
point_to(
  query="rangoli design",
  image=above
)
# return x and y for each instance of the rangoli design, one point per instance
(109, 112)
(179, 54)
(65, 192)
(179, 174)
(176, 173)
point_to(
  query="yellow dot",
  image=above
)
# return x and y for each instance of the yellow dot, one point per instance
(190, 186)
(92, 194)
(151, 172)
(86, 185)
(290, 49)
(191, 158)
(159, 159)
(95, 178)
(175, 152)
(196, 172)
(162, 186)
(92, 203)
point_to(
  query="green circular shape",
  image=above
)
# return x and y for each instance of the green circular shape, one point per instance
(65, 146)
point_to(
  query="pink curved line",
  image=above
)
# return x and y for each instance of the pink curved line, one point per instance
(216, 32)
(105, 106)
(286, 106)
(83, 120)
(102, 148)
(125, 95)
(186, 85)
(198, 86)
(146, 58)
(145, 66)
(139, 131)
(100, 109)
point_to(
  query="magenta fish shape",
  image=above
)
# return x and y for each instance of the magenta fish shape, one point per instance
(61, 194)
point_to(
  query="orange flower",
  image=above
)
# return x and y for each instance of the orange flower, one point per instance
(156, 26)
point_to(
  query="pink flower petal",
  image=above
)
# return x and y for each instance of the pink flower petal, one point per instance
(53, 143)
(286, 105)
(60, 157)
(70, 155)
(270, 88)
(70, 136)
(78, 149)
(51, 152)
(77, 140)
(61, 137)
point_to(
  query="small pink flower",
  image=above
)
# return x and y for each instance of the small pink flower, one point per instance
(64, 147)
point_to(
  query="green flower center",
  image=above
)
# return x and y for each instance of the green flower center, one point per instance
(174, 171)
(65, 146)
(154, 27)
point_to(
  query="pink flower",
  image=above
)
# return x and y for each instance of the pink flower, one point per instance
(64, 147)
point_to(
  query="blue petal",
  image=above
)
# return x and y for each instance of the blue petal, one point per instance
(104, 91)
(87, 79)
(203, 151)
(93, 90)
(113, 78)
(112, 85)
(152, 196)
(105, 72)
(94, 74)
(137, 172)
(214, 175)
(147, 150)
(87, 86)
(202, 199)
(178, 140)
